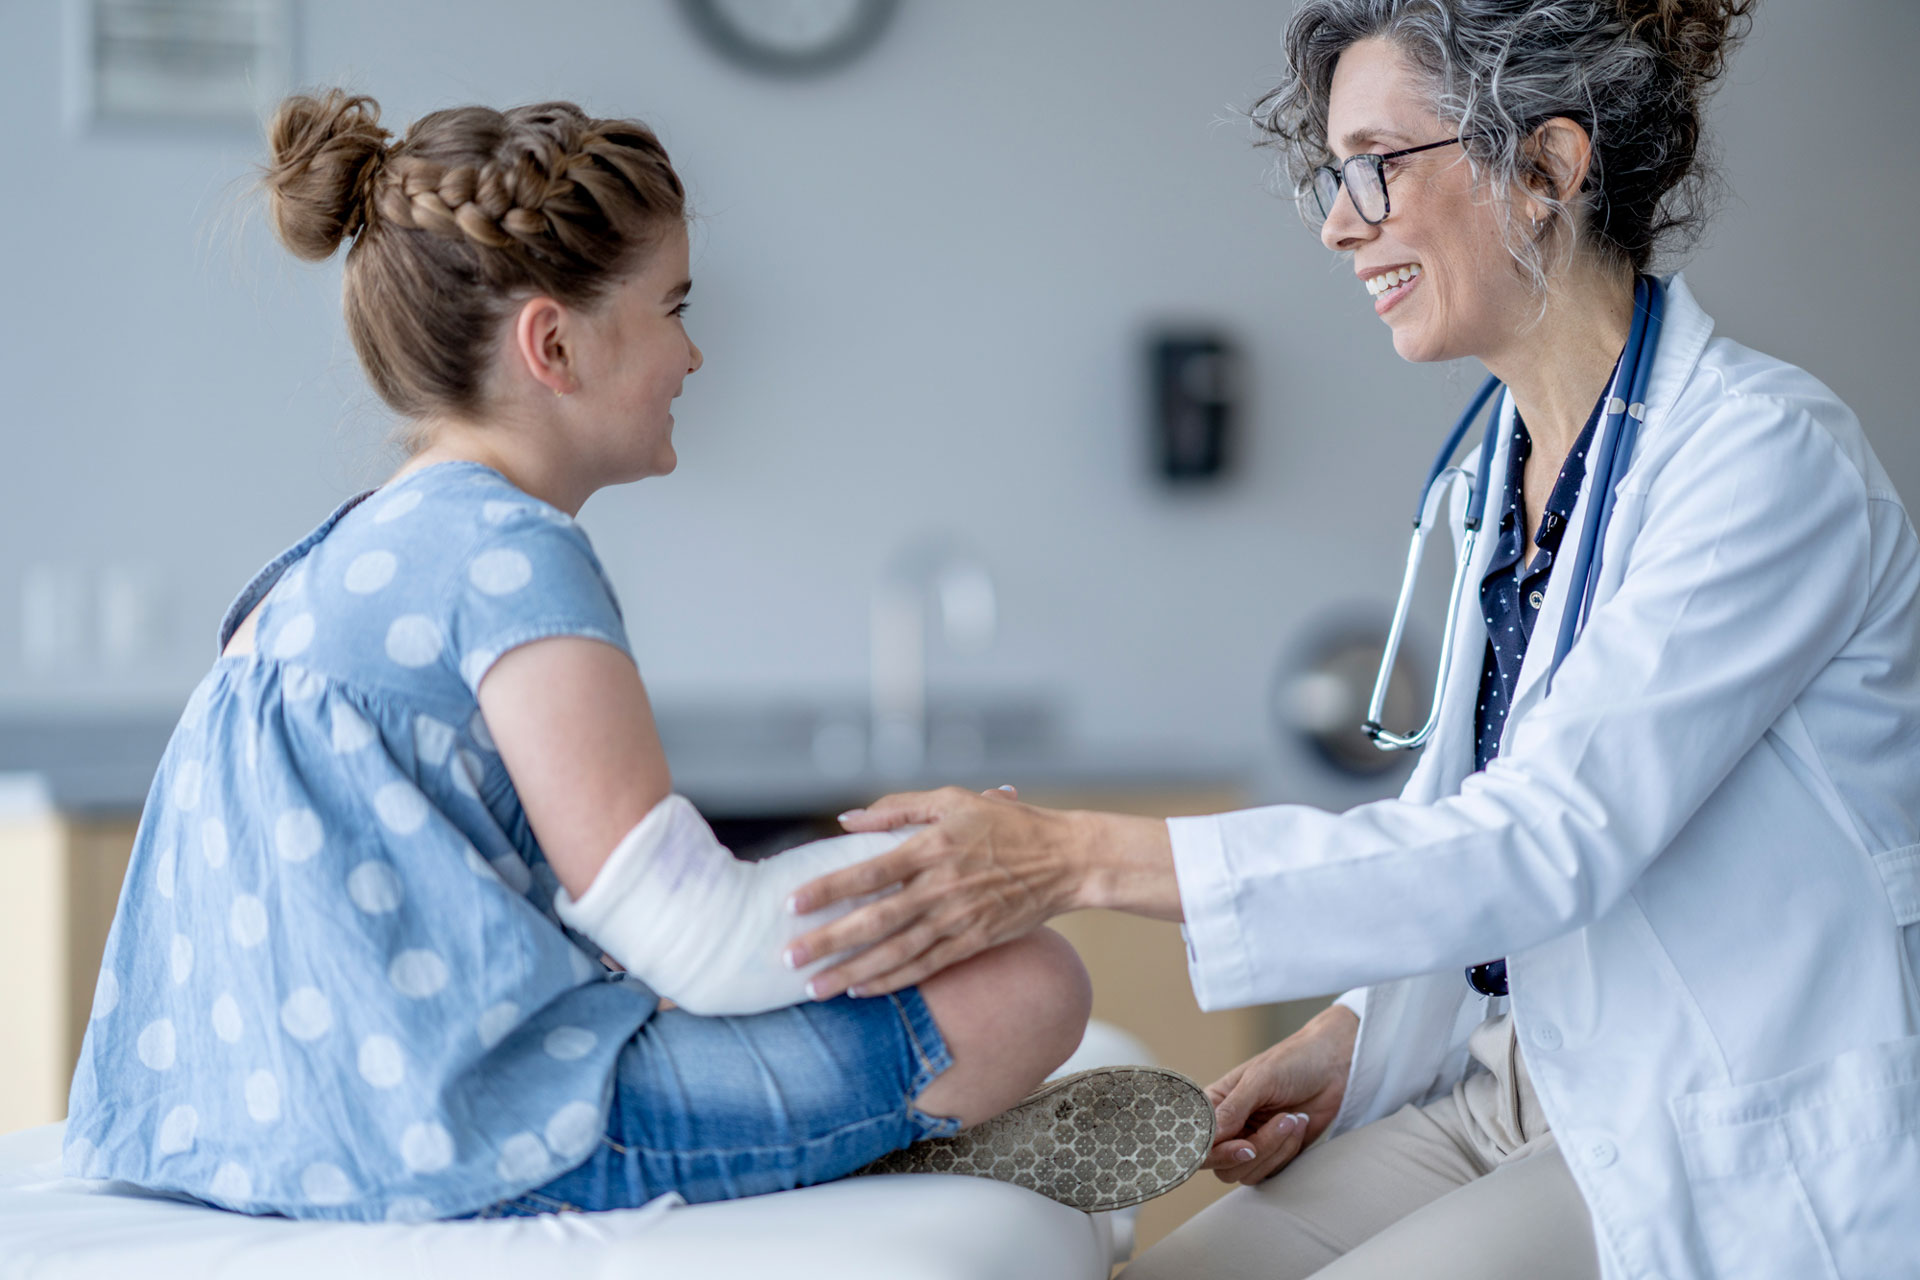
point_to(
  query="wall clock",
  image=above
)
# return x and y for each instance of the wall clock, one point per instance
(790, 37)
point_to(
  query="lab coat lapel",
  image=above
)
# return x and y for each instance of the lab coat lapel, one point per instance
(1684, 332)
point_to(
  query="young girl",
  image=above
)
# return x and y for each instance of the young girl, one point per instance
(355, 971)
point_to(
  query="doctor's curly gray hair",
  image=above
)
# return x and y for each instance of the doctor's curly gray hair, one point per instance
(1631, 72)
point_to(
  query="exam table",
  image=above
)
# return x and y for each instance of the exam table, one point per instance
(902, 1227)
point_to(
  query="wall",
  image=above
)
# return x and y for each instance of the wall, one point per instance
(920, 285)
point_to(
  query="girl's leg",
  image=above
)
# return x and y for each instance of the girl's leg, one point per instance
(1009, 1016)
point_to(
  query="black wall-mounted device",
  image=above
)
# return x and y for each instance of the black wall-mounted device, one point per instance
(1195, 381)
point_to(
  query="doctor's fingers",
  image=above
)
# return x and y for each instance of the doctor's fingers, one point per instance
(896, 866)
(939, 919)
(903, 807)
(1274, 1145)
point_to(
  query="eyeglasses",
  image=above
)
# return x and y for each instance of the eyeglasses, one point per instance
(1365, 178)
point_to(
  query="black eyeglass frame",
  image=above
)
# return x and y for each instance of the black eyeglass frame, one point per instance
(1378, 160)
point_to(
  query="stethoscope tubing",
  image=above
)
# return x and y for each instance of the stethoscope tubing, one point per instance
(1621, 424)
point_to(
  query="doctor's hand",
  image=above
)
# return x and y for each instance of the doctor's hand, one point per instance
(1268, 1108)
(986, 870)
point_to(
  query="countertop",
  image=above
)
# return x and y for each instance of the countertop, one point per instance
(731, 762)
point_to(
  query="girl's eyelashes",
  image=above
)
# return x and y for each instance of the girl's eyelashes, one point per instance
(680, 310)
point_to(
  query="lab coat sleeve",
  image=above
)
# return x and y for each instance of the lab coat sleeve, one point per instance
(1747, 573)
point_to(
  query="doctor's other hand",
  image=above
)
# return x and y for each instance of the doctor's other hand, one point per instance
(1270, 1107)
(986, 870)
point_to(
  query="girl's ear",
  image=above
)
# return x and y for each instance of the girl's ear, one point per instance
(541, 344)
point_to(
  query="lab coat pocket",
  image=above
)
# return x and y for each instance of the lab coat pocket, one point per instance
(1812, 1173)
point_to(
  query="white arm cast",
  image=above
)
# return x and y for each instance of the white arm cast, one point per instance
(701, 927)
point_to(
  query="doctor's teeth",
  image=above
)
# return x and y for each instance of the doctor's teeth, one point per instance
(1377, 285)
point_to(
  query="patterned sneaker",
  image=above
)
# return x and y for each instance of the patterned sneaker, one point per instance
(1096, 1140)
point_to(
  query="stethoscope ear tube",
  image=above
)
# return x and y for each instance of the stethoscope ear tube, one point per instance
(1623, 414)
(1439, 484)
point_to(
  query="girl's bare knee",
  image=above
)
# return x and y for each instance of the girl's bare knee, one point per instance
(1009, 1016)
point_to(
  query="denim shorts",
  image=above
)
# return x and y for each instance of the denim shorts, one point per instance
(719, 1108)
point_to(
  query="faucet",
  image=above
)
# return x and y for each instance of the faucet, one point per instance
(958, 585)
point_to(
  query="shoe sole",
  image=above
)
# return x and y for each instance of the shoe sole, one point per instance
(1096, 1140)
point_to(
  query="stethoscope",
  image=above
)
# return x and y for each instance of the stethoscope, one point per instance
(1623, 412)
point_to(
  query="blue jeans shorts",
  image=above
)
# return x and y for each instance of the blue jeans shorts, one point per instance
(718, 1108)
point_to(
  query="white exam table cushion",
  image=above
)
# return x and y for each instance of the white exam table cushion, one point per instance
(903, 1227)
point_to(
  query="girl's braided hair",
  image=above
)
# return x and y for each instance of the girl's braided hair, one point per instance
(451, 227)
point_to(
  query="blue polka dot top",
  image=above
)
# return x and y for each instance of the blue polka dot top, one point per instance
(335, 986)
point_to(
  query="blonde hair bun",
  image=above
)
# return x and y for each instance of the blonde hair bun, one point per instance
(325, 153)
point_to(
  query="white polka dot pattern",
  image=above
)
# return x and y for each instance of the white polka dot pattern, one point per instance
(499, 512)
(432, 740)
(292, 986)
(426, 1147)
(477, 864)
(213, 842)
(227, 1023)
(474, 667)
(263, 1097)
(325, 1184)
(573, 1130)
(106, 994)
(155, 1045)
(186, 785)
(370, 571)
(177, 1130)
(523, 1158)
(180, 958)
(295, 634)
(297, 835)
(374, 888)
(349, 730)
(500, 572)
(382, 1063)
(247, 921)
(567, 1044)
(411, 1209)
(307, 1014)
(496, 1022)
(414, 640)
(466, 773)
(402, 809)
(297, 684)
(417, 974)
(396, 506)
(232, 1185)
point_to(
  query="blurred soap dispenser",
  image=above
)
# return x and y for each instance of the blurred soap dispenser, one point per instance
(1195, 381)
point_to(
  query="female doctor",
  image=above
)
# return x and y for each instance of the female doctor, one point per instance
(1696, 844)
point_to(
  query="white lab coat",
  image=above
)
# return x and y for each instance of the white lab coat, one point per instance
(1701, 852)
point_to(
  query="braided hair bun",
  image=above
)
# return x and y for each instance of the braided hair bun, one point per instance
(325, 150)
(459, 221)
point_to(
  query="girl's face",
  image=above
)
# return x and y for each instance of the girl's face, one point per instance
(1466, 298)
(632, 357)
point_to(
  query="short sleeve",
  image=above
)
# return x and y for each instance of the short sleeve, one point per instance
(530, 575)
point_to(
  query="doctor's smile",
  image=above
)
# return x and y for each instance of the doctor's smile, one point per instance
(1595, 882)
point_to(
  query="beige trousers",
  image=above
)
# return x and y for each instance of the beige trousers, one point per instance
(1471, 1187)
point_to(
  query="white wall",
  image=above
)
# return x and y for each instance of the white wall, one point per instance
(920, 285)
